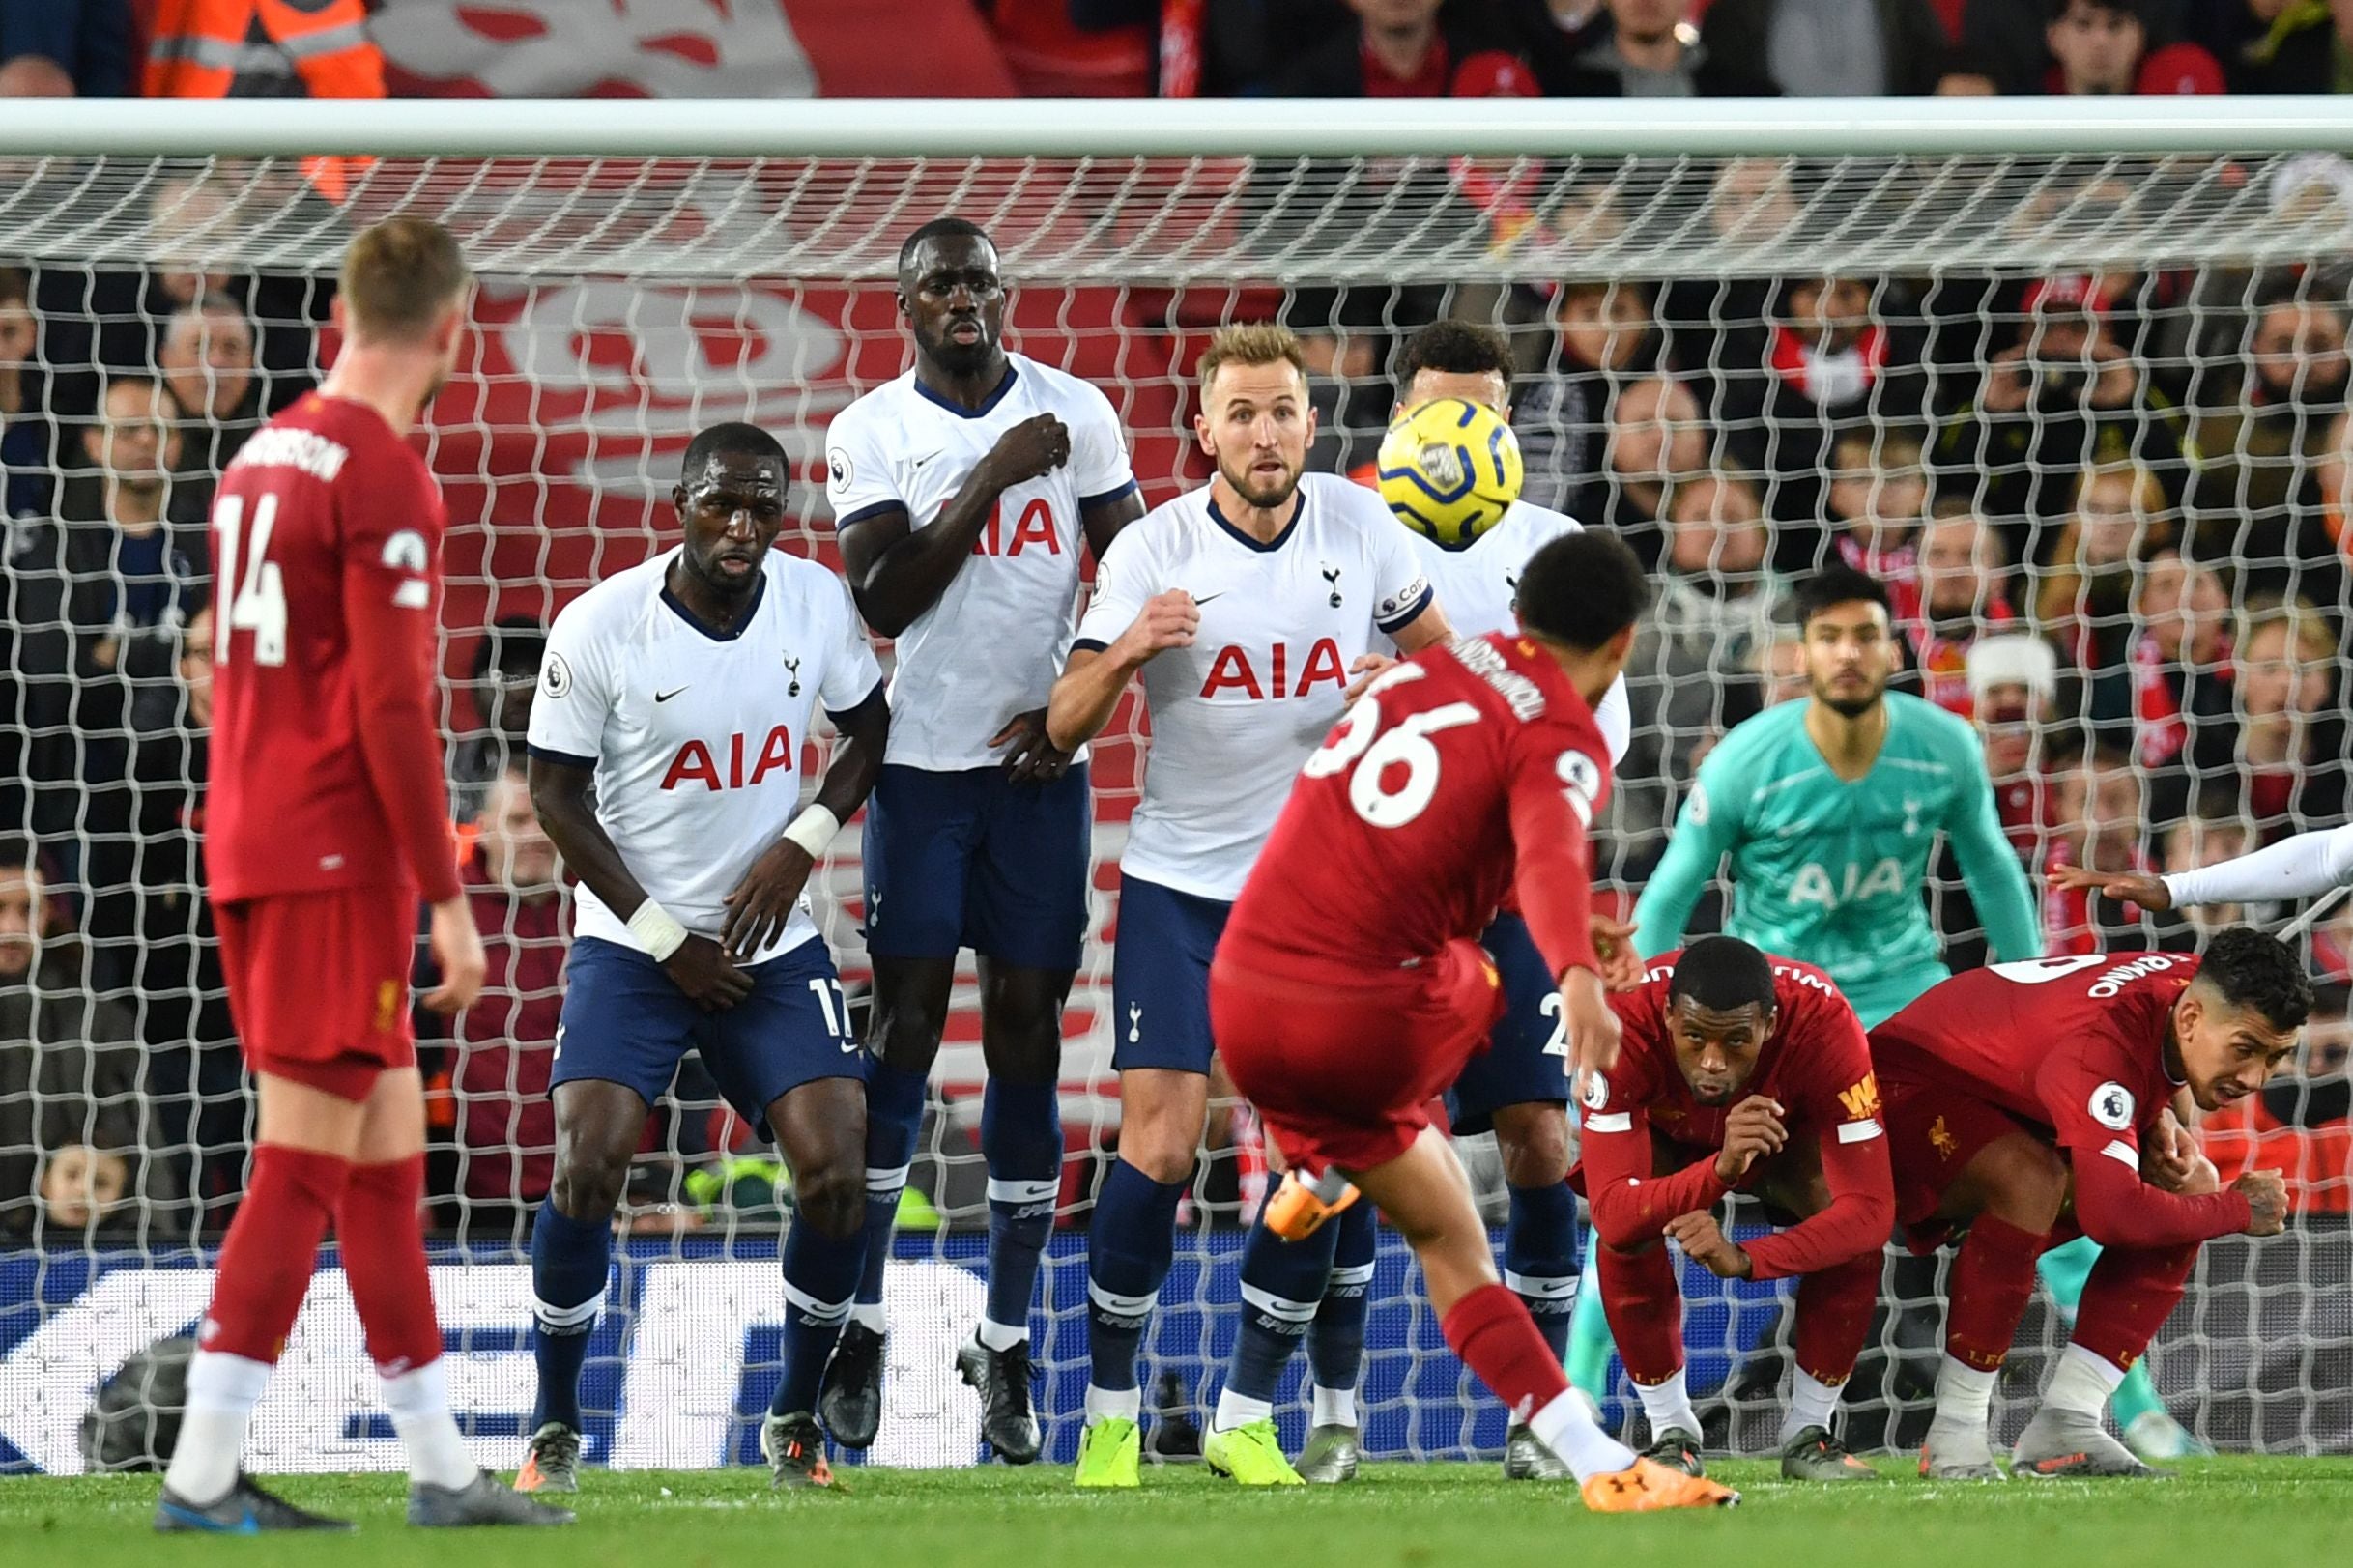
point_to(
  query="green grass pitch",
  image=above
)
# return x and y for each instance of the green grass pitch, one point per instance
(2227, 1513)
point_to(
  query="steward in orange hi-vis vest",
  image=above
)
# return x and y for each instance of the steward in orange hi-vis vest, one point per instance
(200, 50)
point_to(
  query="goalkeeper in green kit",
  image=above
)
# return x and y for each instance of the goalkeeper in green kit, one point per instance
(1830, 810)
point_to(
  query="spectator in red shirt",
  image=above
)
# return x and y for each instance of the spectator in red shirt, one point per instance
(1412, 49)
(2290, 751)
(1961, 599)
(2084, 600)
(1877, 493)
(2014, 686)
(2097, 806)
(2103, 46)
(2181, 658)
(506, 1040)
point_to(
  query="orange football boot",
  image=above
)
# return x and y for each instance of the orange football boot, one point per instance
(1299, 1209)
(1651, 1486)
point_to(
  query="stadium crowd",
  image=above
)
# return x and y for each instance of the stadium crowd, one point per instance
(1344, 48)
(2110, 507)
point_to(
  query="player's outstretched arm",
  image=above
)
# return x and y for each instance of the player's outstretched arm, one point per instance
(2301, 865)
(897, 571)
(1703, 834)
(763, 900)
(560, 796)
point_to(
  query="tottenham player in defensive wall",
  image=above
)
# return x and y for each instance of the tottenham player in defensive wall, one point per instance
(1738, 1071)
(2030, 1102)
(1247, 606)
(665, 764)
(1319, 1286)
(327, 819)
(962, 493)
(1349, 989)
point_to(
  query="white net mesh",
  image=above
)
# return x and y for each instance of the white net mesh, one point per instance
(2098, 399)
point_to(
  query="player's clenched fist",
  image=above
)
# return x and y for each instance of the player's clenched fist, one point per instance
(1167, 621)
(2267, 1200)
(1704, 1243)
(1029, 449)
(1752, 1132)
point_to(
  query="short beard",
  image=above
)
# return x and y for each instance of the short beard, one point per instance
(1850, 708)
(728, 593)
(1265, 500)
(957, 358)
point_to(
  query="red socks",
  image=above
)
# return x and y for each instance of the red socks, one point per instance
(1835, 1316)
(1992, 1280)
(1491, 1330)
(384, 1260)
(2128, 1298)
(272, 1246)
(1645, 1304)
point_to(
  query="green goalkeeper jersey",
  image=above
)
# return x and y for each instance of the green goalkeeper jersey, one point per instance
(1834, 872)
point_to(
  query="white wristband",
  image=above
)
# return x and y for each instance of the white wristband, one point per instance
(657, 930)
(813, 829)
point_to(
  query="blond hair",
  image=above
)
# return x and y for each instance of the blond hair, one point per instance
(399, 277)
(1252, 343)
(2148, 491)
(2308, 636)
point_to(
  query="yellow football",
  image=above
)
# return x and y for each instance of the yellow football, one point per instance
(1449, 469)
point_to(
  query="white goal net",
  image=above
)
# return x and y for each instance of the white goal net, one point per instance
(2058, 398)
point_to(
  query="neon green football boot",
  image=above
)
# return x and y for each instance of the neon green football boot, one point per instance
(1108, 1453)
(1250, 1456)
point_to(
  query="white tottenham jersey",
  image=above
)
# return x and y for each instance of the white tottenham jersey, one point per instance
(1479, 586)
(1236, 715)
(696, 736)
(993, 644)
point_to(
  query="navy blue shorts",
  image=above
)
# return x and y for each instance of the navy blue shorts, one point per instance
(972, 860)
(1160, 977)
(1526, 1059)
(626, 1022)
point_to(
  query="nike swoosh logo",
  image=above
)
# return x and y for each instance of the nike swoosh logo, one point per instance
(1207, 597)
(916, 465)
(663, 697)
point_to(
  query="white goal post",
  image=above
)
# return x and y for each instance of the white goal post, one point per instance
(1750, 332)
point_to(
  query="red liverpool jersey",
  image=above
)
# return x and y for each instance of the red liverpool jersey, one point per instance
(2077, 1046)
(2074, 1044)
(327, 762)
(1460, 771)
(1817, 1067)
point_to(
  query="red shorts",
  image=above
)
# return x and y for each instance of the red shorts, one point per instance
(1345, 1076)
(1933, 1132)
(319, 984)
